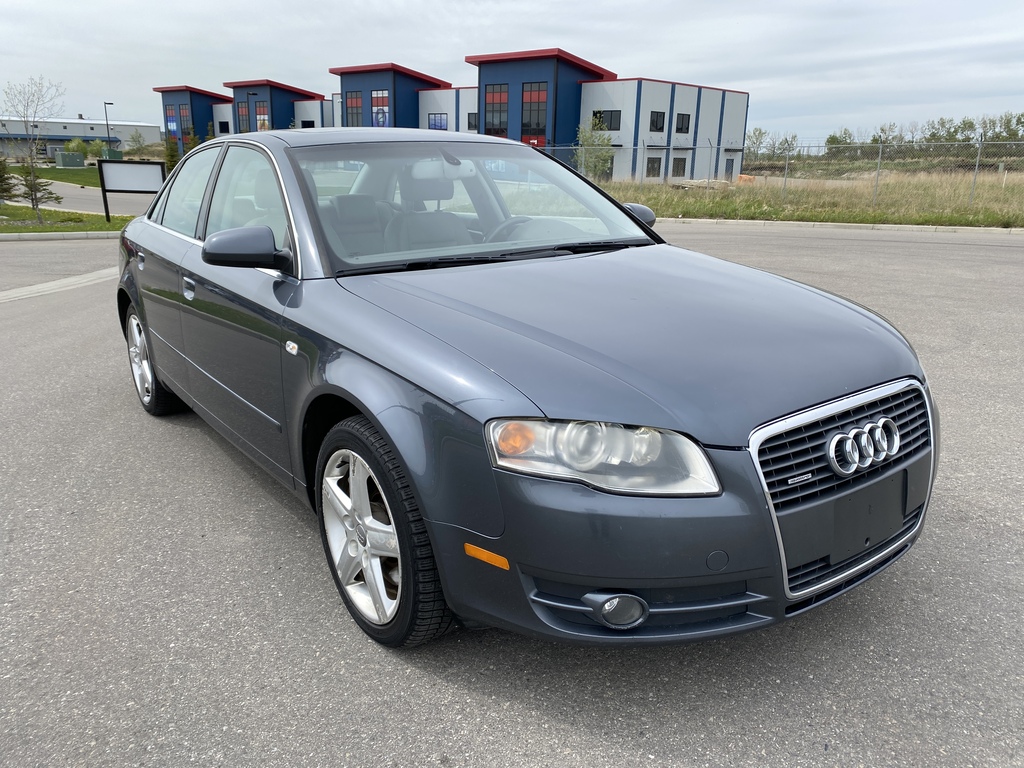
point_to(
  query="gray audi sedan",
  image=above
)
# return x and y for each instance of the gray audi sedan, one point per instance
(509, 402)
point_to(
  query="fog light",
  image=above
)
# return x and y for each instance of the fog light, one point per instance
(620, 611)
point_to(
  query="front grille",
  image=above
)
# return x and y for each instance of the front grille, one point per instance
(800, 452)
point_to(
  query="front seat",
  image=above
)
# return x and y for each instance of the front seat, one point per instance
(416, 230)
(269, 206)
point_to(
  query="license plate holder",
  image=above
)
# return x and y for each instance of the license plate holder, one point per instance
(868, 516)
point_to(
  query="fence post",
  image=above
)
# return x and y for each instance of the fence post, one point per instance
(878, 173)
(977, 164)
(785, 176)
(711, 159)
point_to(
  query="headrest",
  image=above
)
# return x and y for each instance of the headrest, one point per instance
(265, 190)
(354, 210)
(426, 189)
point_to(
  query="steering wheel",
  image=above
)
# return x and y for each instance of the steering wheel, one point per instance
(501, 231)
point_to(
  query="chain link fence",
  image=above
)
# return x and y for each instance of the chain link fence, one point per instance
(931, 179)
(963, 170)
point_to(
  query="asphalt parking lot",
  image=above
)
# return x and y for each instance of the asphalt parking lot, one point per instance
(164, 602)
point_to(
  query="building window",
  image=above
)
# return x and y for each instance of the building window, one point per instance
(380, 109)
(473, 122)
(611, 119)
(657, 122)
(262, 115)
(496, 110)
(243, 116)
(308, 124)
(186, 119)
(437, 121)
(354, 108)
(682, 123)
(679, 166)
(171, 118)
(535, 113)
(223, 126)
(653, 167)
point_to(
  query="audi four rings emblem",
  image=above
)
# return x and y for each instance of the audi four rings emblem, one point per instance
(863, 446)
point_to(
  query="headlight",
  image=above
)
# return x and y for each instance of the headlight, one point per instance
(640, 460)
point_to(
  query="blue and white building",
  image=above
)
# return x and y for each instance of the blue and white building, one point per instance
(661, 131)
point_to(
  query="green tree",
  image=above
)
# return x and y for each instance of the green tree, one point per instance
(96, 148)
(209, 131)
(755, 140)
(136, 142)
(27, 107)
(594, 152)
(77, 145)
(35, 190)
(8, 186)
(191, 141)
(171, 153)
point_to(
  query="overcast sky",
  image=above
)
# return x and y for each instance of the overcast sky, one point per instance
(810, 67)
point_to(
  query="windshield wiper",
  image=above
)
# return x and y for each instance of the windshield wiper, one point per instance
(596, 246)
(433, 263)
(566, 249)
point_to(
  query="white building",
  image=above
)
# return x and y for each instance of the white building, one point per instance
(668, 131)
(53, 133)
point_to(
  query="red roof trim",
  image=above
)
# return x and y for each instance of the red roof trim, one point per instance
(274, 84)
(389, 66)
(666, 82)
(544, 53)
(211, 94)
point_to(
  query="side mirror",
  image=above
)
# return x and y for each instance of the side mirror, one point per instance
(642, 212)
(246, 247)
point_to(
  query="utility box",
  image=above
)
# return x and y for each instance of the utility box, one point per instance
(113, 154)
(70, 160)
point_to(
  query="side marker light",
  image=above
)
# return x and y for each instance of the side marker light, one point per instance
(488, 557)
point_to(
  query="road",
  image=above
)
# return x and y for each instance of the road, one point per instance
(90, 200)
(164, 602)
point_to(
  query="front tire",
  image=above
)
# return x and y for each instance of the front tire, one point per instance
(375, 539)
(155, 398)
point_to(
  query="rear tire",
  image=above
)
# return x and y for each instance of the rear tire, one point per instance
(155, 398)
(375, 539)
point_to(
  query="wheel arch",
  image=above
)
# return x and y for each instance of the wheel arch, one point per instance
(430, 438)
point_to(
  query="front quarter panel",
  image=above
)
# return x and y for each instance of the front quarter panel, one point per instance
(429, 400)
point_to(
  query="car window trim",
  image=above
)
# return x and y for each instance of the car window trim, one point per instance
(262, 149)
(165, 192)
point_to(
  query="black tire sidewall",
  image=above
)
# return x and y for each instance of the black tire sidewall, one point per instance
(350, 434)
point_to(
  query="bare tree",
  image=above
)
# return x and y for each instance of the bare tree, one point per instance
(27, 105)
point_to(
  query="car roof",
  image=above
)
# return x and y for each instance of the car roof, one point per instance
(311, 137)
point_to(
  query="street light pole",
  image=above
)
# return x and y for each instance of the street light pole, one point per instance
(107, 121)
(252, 109)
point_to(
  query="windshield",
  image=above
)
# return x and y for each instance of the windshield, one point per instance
(399, 205)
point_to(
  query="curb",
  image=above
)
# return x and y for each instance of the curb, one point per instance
(843, 225)
(732, 222)
(59, 236)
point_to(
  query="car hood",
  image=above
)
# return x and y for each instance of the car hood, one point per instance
(654, 336)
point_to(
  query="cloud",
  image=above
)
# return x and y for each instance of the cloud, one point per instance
(809, 68)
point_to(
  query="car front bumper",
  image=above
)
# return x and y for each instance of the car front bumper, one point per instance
(702, 567)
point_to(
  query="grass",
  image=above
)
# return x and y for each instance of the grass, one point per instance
(931, 199)
(21, 218)
(84, 177)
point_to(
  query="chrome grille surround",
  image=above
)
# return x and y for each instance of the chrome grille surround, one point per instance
(793, 449)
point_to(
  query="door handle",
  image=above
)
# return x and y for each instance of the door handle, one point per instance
(190, 287)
